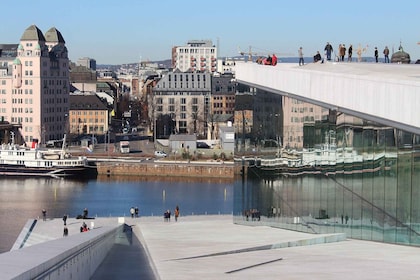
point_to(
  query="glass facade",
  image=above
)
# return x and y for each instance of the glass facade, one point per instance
(326, 172)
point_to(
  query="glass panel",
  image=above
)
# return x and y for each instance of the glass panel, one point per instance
(311, 169)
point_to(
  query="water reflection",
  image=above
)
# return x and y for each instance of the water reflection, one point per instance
(22, 199)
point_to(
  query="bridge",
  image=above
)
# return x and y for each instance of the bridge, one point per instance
(384, 93)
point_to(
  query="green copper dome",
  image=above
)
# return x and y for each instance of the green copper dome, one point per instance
(400, 56)
(17, 61)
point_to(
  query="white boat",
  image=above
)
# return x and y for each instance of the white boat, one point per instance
(17, 160)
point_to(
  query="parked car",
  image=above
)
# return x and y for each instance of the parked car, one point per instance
(160, 154)
(203, 145)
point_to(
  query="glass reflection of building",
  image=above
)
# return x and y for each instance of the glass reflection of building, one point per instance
(330, 172)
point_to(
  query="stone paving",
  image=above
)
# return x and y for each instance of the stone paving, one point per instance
(213, 247)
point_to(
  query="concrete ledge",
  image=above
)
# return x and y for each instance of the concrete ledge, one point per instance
(73, 257)
(311, 241)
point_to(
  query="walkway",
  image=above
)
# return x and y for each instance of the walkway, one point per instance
(212, 247)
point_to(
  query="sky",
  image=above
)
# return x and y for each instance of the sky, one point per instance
(128, 31)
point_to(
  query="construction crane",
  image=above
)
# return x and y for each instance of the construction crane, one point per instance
(251, 54)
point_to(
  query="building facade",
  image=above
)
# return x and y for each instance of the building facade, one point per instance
(180, 103)
(197, 55)
(34, 83)
(88, 115)
(346, 175)
(87, 62)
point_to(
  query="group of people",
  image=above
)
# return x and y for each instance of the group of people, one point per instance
(269, 60)
(342, 50)
(167, 214)
(134, 212)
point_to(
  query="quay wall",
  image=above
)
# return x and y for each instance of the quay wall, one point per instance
(221, 170)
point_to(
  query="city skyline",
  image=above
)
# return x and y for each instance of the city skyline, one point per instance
(129, 31)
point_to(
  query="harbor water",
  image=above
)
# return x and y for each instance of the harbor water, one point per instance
(24, 198)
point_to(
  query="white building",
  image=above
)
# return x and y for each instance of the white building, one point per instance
(197, 55)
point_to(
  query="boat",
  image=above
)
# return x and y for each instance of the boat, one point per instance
(326, 159)
(20, 160)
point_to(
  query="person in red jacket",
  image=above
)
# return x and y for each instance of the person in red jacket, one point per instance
(274, 60)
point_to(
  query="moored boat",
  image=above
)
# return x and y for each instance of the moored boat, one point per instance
(16, 160)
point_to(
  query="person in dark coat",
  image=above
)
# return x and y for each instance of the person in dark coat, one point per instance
(65, 219)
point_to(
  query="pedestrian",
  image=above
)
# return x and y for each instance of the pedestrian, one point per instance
(301, 61)
(359, 53)
(274, 60)
(44, 214)
(376, 54)
(350, 52)
(167, 216)
(65, 219)
(65, 232)
(342, 51)
(85, 213)
(132, 211)
(136, 212)
(176, 213)
(84, 227)
(317, 57)
(386, 54)
(328, 49)
(268, 60)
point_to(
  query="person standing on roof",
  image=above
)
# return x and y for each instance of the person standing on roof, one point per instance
(386, 54)
(301, 61)
(328, 49)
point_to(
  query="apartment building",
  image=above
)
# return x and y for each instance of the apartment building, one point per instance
(180, 103)
(88, 114)
(196, 56)
(34, 84)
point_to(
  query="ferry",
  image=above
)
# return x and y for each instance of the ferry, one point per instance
(19, 160)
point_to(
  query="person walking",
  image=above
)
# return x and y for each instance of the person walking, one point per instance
(136, 212)
(85, 213)
(386, 54)
(176, 213)
(376, 54)
(44, 214)
(328, 49)
(132, 212)
(65, 219)
(65, 232)
(301, 61)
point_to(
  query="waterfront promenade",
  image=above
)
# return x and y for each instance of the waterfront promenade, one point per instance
(213, 247)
